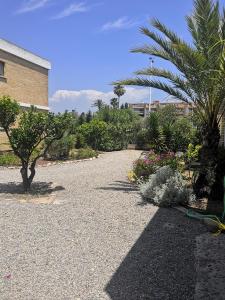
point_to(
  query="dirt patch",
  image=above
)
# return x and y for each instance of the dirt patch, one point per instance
(38, 200)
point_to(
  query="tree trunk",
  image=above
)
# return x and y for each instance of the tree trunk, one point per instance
(24, 174)
(208, 177)
(27, 179)
(32, 173)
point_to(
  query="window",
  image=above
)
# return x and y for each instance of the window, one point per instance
(2, 66)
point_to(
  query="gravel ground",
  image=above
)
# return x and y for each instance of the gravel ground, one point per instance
(92, 238)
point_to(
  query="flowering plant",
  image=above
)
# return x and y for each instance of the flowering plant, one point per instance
(151, 161)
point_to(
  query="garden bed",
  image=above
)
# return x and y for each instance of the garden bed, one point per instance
(9, 160)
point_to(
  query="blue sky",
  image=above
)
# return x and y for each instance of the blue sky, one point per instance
(88, 42)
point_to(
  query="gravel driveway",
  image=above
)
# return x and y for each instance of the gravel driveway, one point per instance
(92, 239)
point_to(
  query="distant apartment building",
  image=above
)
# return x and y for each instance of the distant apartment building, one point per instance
(23, 76)
(143, 108)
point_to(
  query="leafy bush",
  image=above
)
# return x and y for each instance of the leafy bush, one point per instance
(167, 131)
(60, 149)
(184, 133)
(101, 136)
(118, 137)
(95, 134)
(117, 116)
(193, 152)
(83, 153)
(142, 138)
(80, 141)
(123, 126)
(150, 162)
(165, 188)
(9, 159)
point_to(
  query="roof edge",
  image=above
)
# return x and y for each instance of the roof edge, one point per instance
(24, 54)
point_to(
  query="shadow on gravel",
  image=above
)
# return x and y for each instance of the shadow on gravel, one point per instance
(123, 186)
(161, 264)
(41, 188)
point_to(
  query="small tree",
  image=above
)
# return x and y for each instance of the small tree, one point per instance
(99, 104)
(27, 131)
(114, 102)
(89, 116)
(119, 91)
(82, 118)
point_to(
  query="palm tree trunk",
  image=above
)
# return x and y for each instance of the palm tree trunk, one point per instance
(208, 178)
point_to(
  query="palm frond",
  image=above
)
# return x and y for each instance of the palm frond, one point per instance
(152, 51)
(172, 36)
(205, 24)
(200, 75)
(139, 81)
(177, 81)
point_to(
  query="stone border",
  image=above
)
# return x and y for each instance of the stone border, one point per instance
(49, 164)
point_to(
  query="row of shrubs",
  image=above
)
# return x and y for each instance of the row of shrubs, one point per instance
(112, 129)
(10, 159)
(108, 130)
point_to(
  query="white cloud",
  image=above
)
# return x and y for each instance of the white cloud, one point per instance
(121, 23)
(31, 5)
(72, 9)
(82, 100)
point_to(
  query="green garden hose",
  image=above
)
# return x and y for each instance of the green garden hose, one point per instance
(212, 218)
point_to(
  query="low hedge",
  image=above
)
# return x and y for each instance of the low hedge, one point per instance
(83, 153)
(9, 159)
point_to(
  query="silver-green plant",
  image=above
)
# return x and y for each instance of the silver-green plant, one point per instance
(165, 188)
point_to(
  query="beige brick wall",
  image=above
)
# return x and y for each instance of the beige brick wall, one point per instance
(24, 81)
(4, 142)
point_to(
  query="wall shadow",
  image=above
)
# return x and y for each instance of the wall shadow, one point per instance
(161, 264)
(40, 188)
(123, 186)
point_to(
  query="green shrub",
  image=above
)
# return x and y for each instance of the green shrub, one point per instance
(118, 137)
(80, 141)
(142, 138)
(83, 153)
(9, 159)
(166, 131)
(193, 152)
(60, 149)
(103, 136)
(95, 134)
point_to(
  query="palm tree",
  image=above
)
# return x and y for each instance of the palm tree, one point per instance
(99, 104)
(114, 102)
(200, 76)
(119, 91)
